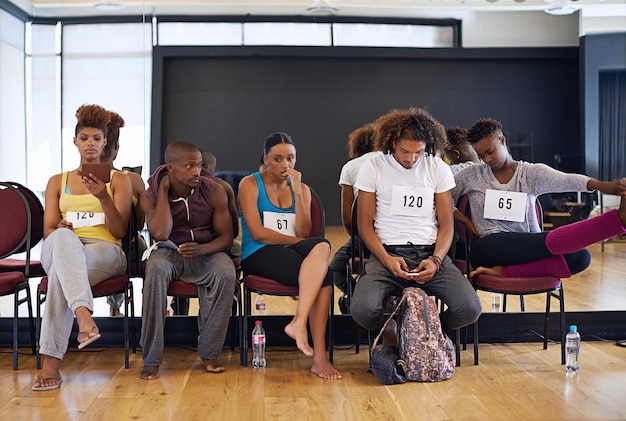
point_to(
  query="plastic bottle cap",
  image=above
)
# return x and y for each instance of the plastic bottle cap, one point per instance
(573, 328)
(258, 323)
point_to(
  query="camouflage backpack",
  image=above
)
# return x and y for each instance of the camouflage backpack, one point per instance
(428, 353)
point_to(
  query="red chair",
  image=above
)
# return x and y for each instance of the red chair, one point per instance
(550, 285)
(120, 284)
(16, 234)
(261, 285)
(31, 268)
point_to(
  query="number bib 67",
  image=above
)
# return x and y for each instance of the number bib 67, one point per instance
(505, 205)
(412, 201)
(284, 223)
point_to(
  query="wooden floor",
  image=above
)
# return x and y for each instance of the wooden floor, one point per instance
(513, 381)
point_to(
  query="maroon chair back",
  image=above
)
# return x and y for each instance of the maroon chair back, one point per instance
(14, 223)
(318, 216)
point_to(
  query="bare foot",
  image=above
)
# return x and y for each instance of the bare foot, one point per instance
(49, 378)
(301, 337)
(115, 312)
(325, 370)
(149, 372)
(213, 366)
(85, 337)
(494, 271)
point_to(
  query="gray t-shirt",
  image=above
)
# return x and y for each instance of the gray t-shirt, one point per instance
(533, 179)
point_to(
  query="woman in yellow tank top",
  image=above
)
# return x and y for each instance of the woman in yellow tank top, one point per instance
(84, 222)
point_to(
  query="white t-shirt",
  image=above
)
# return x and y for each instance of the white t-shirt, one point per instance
(350, 170)
(381, 174)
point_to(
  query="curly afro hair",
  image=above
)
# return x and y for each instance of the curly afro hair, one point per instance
(414, 123)
(92, 116)
(116, 122)
(456, 136)
(361, 141)
(482, 128)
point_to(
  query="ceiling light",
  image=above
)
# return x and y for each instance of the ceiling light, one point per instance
(322, 7)
(109, 6)
(562, 10)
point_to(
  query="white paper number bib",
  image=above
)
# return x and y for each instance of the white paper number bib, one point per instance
(284, 223)
(412, 201)
(84, 219)
(505, 205)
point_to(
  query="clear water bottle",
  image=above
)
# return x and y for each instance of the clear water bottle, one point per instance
(259, 305)
(258, 345)
(572, 350)
(496, 299)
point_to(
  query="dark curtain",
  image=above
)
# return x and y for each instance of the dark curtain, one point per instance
(612, 134)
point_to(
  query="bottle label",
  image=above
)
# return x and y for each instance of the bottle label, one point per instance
(260, 306)
(258, 339)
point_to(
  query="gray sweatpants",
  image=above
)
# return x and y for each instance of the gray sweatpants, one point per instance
(449, 285)
(215, 277)
(73, 265)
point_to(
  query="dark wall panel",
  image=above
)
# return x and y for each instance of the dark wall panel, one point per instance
(229, 104)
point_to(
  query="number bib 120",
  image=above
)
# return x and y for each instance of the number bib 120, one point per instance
(284, 223)
(84, 219)
(412, 201)
(505, 205)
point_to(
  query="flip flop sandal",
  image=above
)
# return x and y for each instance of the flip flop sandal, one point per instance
(92, 339)
(41, 380)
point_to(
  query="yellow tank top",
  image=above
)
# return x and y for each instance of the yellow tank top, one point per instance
(86, 203)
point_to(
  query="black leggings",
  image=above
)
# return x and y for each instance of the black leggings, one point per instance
(282, 263)
(514, 248)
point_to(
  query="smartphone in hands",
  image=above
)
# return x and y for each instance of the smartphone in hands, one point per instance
(102, 171)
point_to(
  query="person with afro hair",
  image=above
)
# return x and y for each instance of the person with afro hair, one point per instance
(459, 152)
(405, 220)
(85, 219)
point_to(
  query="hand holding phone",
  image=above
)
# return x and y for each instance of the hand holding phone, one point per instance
(102, 171)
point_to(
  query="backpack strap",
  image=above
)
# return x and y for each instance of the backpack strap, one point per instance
(425, 307)
(402, 300)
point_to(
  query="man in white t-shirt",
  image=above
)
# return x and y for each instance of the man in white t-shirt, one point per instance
(405, 220)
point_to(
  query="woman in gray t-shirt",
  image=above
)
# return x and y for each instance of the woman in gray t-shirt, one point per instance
(502, 194)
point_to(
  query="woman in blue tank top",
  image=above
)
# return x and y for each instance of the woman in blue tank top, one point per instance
(276, 221)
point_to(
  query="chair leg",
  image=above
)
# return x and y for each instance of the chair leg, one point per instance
(133, 324)
(457, 346)
(476, 342)
(244, 332)
(562, 323)
(240, 323)
(16, 303)
(40, 300)
(31, 322)
(126, 328)
(331, 339)
(546, 323)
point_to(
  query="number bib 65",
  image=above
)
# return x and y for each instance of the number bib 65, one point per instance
(412, 201)
(505, 205)
(284, 223)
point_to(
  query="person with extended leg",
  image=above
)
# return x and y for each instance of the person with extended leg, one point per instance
(508, 239)
(188, 216)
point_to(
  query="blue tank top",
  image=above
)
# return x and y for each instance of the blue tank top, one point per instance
(248, 244)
